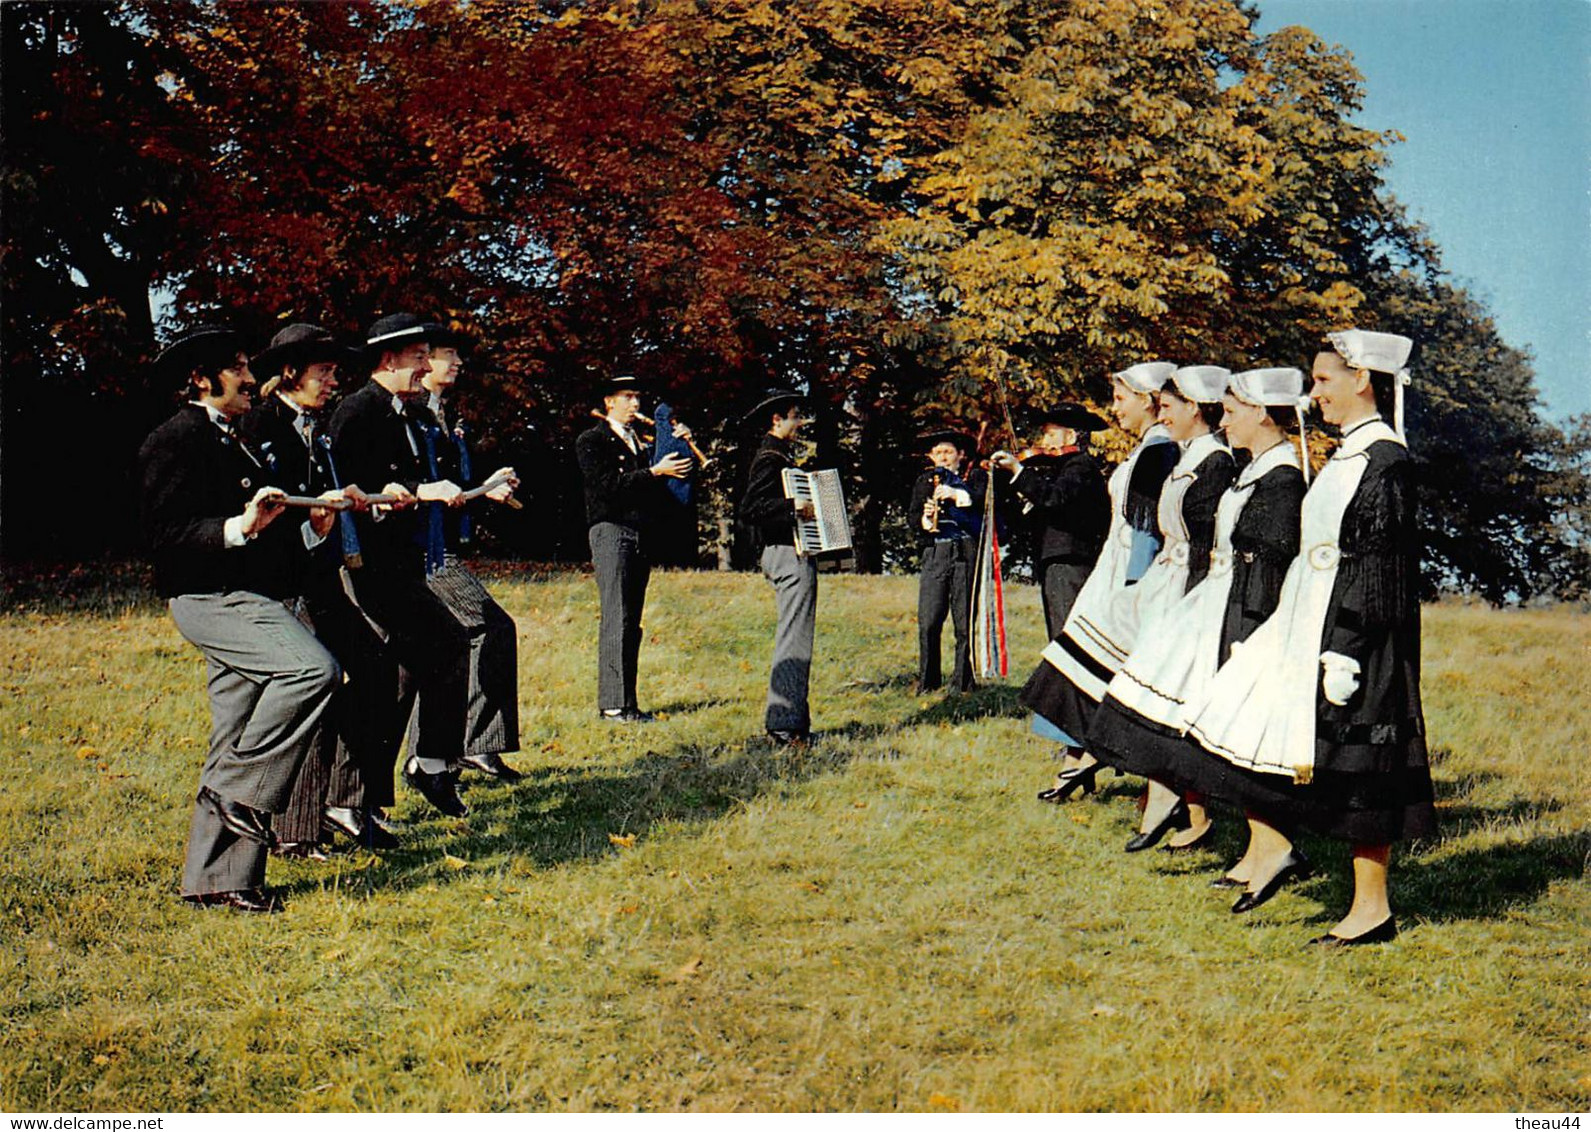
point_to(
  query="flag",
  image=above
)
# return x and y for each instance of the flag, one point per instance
(989, 654)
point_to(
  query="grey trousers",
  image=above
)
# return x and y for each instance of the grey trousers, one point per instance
(492, 707)
(622, 570)
(945, 587)
(270, 682)
(795, 593)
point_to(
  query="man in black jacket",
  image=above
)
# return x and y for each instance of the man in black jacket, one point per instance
(349, 771)
(623, 490)
(947, 511)
(226, 565)
(492, 714)
(1063, 492)
(376, 447)
(771, 516)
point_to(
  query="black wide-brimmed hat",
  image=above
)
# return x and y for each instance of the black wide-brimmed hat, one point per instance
(774, 399)
(394, 331)
(620, 382)
(203, 346)
(298, 345)
(1069, 414)
(962, 440)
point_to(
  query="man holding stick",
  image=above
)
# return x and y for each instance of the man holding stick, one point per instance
(226, 566)
(358, 743)
(492, 714)
(376, 448)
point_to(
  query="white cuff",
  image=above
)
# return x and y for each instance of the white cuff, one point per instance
(962, 498)
(232, 533)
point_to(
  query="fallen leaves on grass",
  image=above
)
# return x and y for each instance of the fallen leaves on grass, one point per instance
(454, 863)
(627, 841)
(940, 1100)
(687, 970)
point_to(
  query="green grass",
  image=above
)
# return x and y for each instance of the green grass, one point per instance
(886, 921)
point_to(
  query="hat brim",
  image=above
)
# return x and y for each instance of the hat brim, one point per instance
(758, 413)
(274, 359)
(196, 349)
(397, 340)
(962, 440)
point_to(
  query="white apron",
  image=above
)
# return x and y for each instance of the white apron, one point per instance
(1137, 608)
(1259, 710)
(1091, 622)
(1176, 659)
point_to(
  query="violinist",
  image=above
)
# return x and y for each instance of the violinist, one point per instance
(1063, 492)
(946, 509)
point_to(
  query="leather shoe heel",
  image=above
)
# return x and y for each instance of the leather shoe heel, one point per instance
(440, 789)
(491, 764)
(249, 900)
(245, 821)
(1177, 818)
(1295, 867)
(1069, 781)
(1384, 932)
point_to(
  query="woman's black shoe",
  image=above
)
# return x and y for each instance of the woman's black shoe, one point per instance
(1384, 932)
(1070, 780)
(1177, 818)
(1295, 866)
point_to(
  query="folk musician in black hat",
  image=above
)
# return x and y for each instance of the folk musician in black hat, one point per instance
(624, 492)
(946, 509)
(1063, 492)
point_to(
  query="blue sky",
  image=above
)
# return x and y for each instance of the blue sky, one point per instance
(1494, 98)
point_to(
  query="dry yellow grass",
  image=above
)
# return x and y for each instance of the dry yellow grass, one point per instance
(679, 917)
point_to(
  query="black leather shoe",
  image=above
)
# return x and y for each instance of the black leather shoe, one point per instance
(441, 790)
(1384, 932)
(358, 827)
(1294, 867)
(491, 764)
(627, 715)
(301, 851)
(1071, 780)
(790, 738)
(250, 900)
(1177, 818)
(245, 821)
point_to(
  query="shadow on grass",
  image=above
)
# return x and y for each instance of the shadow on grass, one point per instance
(986, 701)
(573, 813)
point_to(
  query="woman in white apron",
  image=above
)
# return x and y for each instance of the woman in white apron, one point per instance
(1065, 688)
(1317, 717)
(1190, 411)
(1140, 726)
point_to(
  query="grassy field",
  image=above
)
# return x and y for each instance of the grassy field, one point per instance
(680, 917)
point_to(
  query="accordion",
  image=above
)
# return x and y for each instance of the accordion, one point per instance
(830, 528)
